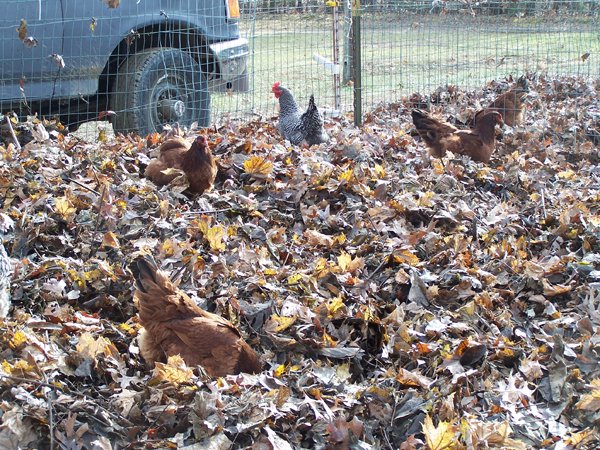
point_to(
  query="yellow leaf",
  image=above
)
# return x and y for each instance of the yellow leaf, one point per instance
(441, 437)
(344, 261)
(406, 256)
(174, 371)
(64, 208)
(334, 305)
(438, 167)
(163, 207)
(577, 438)
(89, 346)
(125, 327)
(379, 171)
(293, 279)
(348, 264)
(121, 205)
(20, 368)
(279, 371)
(203, 224)
(17, 340)
(168, 247)
(283, 323)
(328, 341)
(108, 164)
(566, 174)
(425, 199)
(346, 175)
(591, 402)
(340, 238)
(269, 272)
(110, 240)
(258, 167)
(214, 236)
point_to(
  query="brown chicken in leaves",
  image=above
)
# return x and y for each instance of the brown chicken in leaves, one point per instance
(511, 104)
(195, 160)
(440, 136)
(175, 325)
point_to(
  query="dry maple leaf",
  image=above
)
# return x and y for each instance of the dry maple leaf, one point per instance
(110, 240)
(174, 371)
(258, 167)
(441, 437)
(22, 30)
(591, 402)
(214, 236)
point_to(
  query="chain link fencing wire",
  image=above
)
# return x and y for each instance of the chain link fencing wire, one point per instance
(79, 60)
(410, 46)
(139, 63)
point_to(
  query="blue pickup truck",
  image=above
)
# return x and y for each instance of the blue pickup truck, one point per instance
(151, 62)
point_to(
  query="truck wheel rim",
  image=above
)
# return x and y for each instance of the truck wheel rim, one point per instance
(168, 101)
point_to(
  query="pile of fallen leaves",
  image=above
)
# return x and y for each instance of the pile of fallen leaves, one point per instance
(396, 302)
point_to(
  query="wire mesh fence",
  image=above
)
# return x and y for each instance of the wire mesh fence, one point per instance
(416, 46)
(143, 65)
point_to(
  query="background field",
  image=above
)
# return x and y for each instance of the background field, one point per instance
(406, 52)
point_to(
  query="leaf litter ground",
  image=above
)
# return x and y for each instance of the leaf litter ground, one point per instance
(396, 302)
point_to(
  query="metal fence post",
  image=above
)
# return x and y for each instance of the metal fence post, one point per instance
(357, 63)
(347, 75)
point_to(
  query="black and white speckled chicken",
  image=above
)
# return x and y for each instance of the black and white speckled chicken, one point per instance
(297, 127)
(6, 224)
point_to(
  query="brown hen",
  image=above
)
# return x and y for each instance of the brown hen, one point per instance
(511, 104)
(440, 137)
(195, 160)
(174, 324)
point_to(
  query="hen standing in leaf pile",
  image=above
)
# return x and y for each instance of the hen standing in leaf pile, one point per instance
(296, 127)
(175, 325)
(511, 104)
(440, 136)
(195, 160)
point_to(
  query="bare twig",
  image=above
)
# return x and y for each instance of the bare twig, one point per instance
(12, 133)
(29, 380)
(214, 211)
(544, 204)
(378, 268)
(100, 205)
(71, 180)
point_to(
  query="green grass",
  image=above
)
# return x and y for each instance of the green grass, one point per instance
(405, 53)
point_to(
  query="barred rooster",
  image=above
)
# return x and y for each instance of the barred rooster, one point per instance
(6, 224)
(296, 127)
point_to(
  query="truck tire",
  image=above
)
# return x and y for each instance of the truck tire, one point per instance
(159, 86)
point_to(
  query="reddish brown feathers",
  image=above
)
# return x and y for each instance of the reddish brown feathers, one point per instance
(174, 324)
(195, 160)
(440, 137)
(511, 104)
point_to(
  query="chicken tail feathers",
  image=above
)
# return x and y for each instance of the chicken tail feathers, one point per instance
(145, 273)
(523, 83)
(417, 115)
